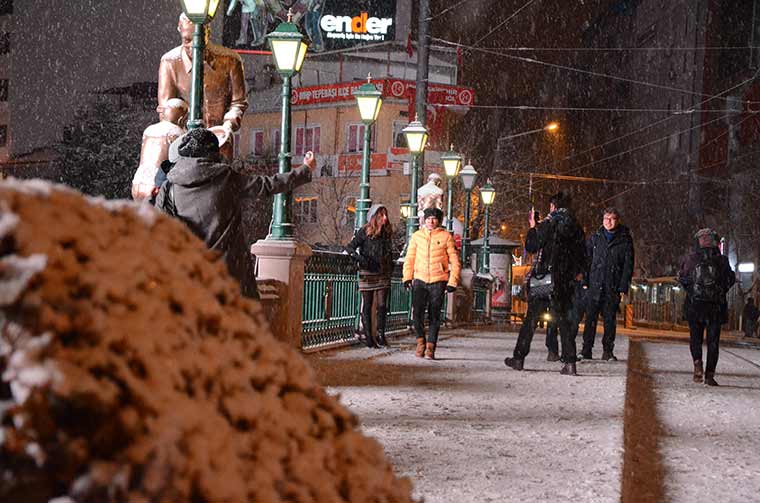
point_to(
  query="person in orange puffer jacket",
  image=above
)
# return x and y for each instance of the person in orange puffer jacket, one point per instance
(431, 269)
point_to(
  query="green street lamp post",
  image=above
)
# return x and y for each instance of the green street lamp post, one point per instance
(451, 164)
(416, 138)
(487, 194)
(369, 100)
(289, 50)
(199, 12)
(467, 176)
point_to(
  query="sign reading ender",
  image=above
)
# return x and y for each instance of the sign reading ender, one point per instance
(329, 24)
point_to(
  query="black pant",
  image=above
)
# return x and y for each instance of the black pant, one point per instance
(563, 322)
(427, 296)
(552, 341)
(382, 310)
(696, 335)
(608, 306)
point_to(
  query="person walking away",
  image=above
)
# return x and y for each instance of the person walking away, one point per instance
(431, 269)
(706, 276)
(750, 315)
(558, 242)
(610, 256)
(372, 248)
(204, 192)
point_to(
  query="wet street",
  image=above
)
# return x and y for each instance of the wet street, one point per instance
(465, 428)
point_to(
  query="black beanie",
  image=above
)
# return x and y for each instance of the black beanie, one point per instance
(433, 212)
(198, 142)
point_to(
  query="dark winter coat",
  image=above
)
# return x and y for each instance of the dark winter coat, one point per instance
(374, 255)
(559, 240)
(610, 264)
(206, 194)
(750, 313)
(695, 310)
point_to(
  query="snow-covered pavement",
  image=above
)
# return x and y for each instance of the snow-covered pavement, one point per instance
(467, 429)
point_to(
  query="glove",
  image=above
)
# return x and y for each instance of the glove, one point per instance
(408, 284)
(450, 288)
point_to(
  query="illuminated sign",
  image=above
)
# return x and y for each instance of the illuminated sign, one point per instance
(329, 24)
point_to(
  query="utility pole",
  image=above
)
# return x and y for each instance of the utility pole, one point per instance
(423, 57)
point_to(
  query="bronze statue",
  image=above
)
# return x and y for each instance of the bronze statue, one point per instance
(155, 147)
(224, 93)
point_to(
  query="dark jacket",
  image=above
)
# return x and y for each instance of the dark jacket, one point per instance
(610, 264)
(206, 194)
(750, 313)
(559, 239)
(375, 255)
(703, 311)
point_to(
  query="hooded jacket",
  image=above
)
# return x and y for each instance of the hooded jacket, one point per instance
(206, 196)
(374, 254)
(610, 263)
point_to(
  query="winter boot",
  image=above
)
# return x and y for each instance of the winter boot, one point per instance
(698, 374)
(710, 379)
(568, 369)
(608, 356)
(381, 342)
(515, 363)
(420, 352)
(430, 351)
(552, 357)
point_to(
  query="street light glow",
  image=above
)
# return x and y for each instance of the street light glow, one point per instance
(746, 267)
(369, 100)
(451, 162)
(416, 136)
(552, 126)
(488, 193)
(200, 11)
(288, 47)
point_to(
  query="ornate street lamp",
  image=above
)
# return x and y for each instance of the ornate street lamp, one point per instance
(369, 100)
(200, 12)
(467, 176)
(416, 138)
(289, 50)
(451, 164)
(487, 194)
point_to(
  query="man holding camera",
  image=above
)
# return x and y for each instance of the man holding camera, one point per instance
(557, 242)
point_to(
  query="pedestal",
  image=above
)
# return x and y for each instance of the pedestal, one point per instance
(283, 261)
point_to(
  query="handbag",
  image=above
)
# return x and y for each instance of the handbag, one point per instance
(540, 286)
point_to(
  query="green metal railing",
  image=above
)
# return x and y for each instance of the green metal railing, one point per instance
(479, 300)
(331, 300)
(398, 317)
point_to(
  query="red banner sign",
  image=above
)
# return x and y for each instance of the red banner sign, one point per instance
(438, 94)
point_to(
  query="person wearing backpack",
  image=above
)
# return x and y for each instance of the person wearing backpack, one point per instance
(558, 242)
(706, 276)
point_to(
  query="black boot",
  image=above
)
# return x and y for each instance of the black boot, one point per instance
(698, 374)
(515, 363)
(568, 369)
(710, 379)
(367, 326)
(381, 342)
(381, 315)
(608, 356)
(552, 357)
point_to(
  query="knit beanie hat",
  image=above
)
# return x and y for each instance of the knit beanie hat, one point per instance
(198, 142)
(433, 212)
(706, 237)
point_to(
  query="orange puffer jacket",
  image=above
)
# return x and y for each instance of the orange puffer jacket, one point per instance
(431, 257)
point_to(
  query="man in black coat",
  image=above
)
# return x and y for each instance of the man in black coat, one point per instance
(706, 276)
(609, 254)
(204, 192)
(750, 314)
(558, 242)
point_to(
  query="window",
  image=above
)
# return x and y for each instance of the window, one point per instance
(355, 138)
(305, 209)
(398, 136)
(256, 147)
(3, 90)
(5, 42)
(6, 7)
(307, 138)
(3, 136)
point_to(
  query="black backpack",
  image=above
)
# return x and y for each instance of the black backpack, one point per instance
(706, 280)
